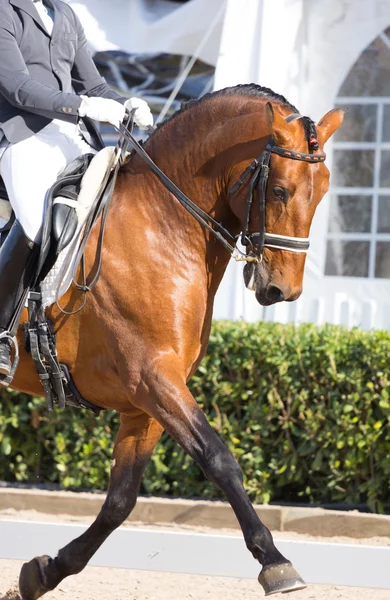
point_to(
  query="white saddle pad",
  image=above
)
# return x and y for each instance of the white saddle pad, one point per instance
(59, 278)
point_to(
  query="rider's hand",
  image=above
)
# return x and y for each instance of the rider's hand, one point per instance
(143, 117)
(103, 110)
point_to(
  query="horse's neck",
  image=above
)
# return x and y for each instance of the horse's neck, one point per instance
(192, 162)
(187, 150)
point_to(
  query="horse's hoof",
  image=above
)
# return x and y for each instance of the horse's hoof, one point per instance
(31, 584)
(280, 578)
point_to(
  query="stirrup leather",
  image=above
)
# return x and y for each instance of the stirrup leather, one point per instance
(5, 335)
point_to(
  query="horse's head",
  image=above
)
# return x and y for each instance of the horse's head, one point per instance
(276, 223)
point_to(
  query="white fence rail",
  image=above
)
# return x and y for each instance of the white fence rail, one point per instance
(348, 301)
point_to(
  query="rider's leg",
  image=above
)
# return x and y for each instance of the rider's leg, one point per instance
(28, 169)
(15, 272)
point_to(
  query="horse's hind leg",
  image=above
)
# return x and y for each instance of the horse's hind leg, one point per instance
(136, 439)
(168, 399)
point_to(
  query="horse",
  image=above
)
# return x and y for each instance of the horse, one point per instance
(145, 327)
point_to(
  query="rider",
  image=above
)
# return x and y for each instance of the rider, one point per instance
(48, 83)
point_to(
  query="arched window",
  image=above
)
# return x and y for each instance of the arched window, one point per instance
(358, 242)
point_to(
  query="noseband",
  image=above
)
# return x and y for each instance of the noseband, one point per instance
(260, 169)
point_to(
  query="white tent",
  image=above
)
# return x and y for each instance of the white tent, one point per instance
(303, 49)
(147, 26)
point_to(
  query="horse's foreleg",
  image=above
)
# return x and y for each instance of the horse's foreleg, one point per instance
(168, 399)
(136, 439)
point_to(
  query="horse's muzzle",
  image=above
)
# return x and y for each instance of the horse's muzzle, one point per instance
(268, 291)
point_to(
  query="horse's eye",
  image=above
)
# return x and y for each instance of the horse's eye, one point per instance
(281, 193)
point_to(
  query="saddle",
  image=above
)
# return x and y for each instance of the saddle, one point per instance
(78, 198)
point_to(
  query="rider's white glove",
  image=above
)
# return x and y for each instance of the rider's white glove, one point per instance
(103, 110)
(143, 117)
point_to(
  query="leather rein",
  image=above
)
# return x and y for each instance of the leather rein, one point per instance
(257, 173)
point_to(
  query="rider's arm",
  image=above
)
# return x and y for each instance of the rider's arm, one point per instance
(18, 87)
(86, 79)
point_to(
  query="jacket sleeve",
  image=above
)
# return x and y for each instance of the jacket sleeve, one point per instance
(21, 90)
(86, 78)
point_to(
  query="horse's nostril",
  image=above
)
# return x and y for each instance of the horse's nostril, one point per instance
(275, 294)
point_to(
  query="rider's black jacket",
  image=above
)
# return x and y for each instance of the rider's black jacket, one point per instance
(40, 73)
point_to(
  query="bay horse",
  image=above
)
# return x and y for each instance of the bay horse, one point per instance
(145, 327)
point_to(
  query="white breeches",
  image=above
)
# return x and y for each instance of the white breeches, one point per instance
(30, 168)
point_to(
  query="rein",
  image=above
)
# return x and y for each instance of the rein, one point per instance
(198, 213)
(259, 169)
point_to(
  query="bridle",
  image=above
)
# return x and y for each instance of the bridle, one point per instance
(259, 169)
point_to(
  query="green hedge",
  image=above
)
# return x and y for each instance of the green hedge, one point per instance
(305, 410)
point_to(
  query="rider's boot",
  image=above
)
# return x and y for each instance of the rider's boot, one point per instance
(16, 257)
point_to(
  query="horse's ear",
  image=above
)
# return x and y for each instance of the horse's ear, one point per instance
(278, 127)
(330, 123)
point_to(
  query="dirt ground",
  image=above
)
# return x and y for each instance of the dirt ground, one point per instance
(97, 583)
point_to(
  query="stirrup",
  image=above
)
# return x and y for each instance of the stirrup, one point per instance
(5, 381)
